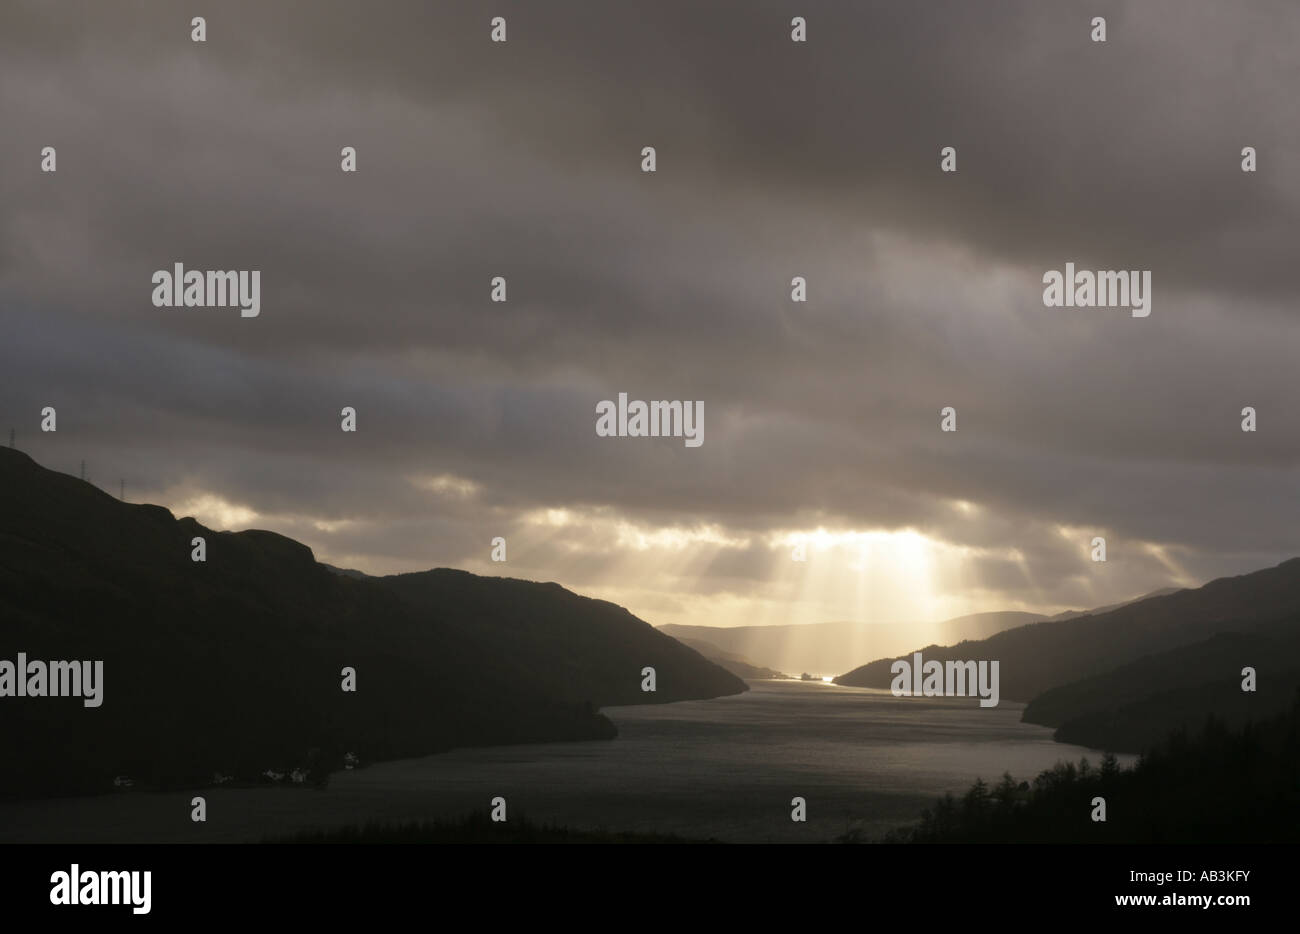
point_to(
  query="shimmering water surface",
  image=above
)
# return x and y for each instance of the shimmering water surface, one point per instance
(724, 768)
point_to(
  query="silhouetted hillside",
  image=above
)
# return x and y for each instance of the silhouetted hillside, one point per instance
(1044, 655)
(571, 647)
(233, 665)
(1130, 707)
(738, 666)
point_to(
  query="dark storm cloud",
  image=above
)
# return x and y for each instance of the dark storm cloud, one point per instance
(776, 159)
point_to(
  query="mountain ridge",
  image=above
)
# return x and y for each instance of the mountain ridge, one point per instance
(1048, 654)
(234, 664)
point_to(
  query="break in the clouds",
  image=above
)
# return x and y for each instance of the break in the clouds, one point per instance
(775, 160)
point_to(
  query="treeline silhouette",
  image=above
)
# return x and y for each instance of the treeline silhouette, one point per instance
(477, 827)
(1218, 785)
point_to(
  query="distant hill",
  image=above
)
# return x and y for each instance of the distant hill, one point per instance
(827, 648)
(733, 663)
(1040, 656)
(1075, 614)
(233, 665)
(981, 625)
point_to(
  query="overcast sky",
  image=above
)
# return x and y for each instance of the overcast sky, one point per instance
(775, 159)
